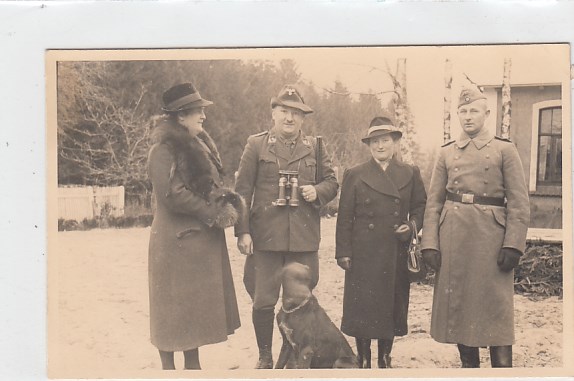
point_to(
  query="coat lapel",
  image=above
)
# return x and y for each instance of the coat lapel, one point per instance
(302, 149)
(274, 149)
(399, 173)
(378, 180)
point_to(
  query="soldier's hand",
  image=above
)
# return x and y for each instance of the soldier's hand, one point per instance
(309, 193)
(508, 258)
(344, 263)
(432, 258)
(245, 244)
(403, 232)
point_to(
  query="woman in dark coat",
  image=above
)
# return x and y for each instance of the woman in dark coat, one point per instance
(382, 202)
(192, 297)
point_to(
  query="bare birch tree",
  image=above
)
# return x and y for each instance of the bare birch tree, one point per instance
(506, 99)
(447, 99)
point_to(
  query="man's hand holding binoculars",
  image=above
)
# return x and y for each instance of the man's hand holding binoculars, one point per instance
(245, 244)
(309, 193)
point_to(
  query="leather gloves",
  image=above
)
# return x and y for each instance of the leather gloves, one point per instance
(344, 263)
(432, 258)
(508, 258)
(404, 232)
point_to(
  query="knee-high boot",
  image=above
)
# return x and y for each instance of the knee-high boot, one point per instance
(469, 356)
(263, 324)
(501, 356)
(363, 352)
(385, 347)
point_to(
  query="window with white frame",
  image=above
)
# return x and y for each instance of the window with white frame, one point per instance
(546, 164)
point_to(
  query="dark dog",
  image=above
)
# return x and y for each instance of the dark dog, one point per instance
(310, 338)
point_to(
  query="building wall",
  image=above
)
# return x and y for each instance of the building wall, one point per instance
(546, 207)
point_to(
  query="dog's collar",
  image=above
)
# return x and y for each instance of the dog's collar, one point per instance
(297, 307)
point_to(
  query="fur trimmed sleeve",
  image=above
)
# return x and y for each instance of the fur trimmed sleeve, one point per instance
(170, 189)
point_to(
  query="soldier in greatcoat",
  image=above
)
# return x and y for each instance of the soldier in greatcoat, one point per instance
(474, 234)
(382, 204)
(280, 228)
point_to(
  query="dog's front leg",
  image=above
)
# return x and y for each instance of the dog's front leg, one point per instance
(286, 352)
(305, 357)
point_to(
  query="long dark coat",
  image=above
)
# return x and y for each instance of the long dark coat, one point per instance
(373, 204)
(473, 298)
(192, 297)
(274, 228)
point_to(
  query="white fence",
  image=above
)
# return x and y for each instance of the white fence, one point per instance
(77, 203)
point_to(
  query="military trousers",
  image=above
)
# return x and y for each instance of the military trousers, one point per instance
(262, 276)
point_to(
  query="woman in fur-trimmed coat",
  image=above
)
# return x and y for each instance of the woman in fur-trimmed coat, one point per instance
(192, 296)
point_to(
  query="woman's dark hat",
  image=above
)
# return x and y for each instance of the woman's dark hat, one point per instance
(289, 96)
(183, 97)
(381, 126)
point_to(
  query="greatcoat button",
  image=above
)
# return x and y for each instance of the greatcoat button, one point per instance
(367, 201)
(486, 181)
(456, 181)
(396, 213)
(456, 169)
(488, 156)
(486, 168)
(371, 226)
(484, 194)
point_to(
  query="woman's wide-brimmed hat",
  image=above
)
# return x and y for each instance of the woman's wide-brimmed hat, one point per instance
(183, 97)
(289, 96)
(381, 126)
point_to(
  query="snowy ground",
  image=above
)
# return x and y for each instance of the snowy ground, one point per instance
(99, 325)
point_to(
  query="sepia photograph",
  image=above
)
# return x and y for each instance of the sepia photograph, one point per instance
(374, 211)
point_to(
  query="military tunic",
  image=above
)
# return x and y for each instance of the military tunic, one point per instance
(473, 298)
(282, 228)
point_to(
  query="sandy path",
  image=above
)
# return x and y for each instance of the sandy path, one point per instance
(101, 313)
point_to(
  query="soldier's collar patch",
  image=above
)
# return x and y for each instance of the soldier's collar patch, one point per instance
(306, 142)
(272, 139)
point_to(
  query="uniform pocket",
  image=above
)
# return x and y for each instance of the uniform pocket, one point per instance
(268, 167)
(310, 169)
(499, 216)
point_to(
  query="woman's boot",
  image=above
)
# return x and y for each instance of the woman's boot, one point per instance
(363, 352)
(191, 359)
(469, 356)
(385, 347)
(166, 360)
(501, 357)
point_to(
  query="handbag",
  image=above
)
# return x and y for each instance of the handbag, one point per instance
(415, 264)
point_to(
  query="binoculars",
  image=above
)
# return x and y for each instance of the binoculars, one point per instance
(288, 189)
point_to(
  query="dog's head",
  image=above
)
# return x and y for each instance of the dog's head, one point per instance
(296, 281)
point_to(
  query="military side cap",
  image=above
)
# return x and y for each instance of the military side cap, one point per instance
(469, 95)
(183, 97)
(381, 126)
(289, 96)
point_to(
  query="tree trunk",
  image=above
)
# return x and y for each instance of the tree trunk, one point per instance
(506, 100)
(447, 100)
(402, 113)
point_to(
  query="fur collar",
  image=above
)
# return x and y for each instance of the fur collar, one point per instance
(193, 162)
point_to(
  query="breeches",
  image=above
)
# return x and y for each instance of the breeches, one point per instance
(262, 276)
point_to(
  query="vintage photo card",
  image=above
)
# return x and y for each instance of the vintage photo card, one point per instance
(214, 210)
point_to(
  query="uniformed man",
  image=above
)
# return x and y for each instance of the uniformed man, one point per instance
(277, 177)
(474, 233)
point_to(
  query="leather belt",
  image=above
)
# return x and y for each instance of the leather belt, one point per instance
(469, 198)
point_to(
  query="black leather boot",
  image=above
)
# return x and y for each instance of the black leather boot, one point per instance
(385, 347)
(501, 357)
(363, 352)
(263, 324)
(469, 356)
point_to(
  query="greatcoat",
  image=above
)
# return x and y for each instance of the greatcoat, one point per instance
(373, 203)
(282, 228)
(192, 297)
(473, 298)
